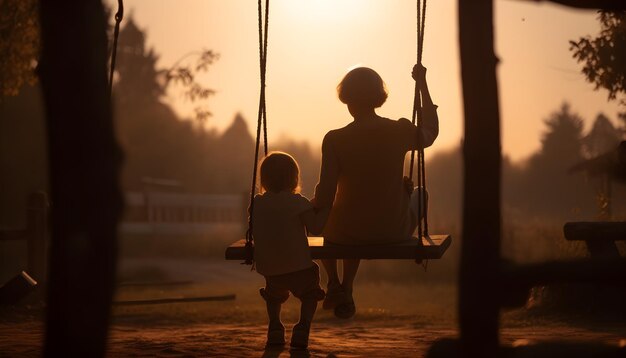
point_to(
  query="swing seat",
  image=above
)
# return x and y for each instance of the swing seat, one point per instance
(431, 248)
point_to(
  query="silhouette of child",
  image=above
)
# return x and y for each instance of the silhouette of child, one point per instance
(280, 222)
(361, 177)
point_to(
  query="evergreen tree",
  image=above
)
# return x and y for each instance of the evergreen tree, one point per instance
(234, 158)
(137, 75)
(602, 137)
(548, 187)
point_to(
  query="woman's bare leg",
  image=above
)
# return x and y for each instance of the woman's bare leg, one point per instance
(350, 268)
(346, 308)
(330, 266)
(415, 204)
(334, 293)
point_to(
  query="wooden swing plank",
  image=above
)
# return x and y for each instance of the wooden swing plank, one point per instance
(432, 248)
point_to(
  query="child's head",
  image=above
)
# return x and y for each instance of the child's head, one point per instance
(362, 87)
(280, 172)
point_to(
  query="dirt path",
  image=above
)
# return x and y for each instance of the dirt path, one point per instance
(393, 320)
(389, 338)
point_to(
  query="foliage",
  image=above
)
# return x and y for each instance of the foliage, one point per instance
(186, 77)
(156, 142)
(138, 73)
(604, 57)
(19, 45)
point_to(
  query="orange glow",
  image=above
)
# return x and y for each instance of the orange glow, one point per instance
(313, 43)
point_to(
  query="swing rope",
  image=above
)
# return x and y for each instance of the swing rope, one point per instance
(116, 33)
(263, 22)
(416, 119)
(261, 121)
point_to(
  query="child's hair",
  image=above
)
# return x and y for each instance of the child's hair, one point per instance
(362, 86)
(280, 172)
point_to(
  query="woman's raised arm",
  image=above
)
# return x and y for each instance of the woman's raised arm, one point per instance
(430, 120)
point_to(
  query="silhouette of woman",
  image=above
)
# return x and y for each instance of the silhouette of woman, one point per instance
(362, 178)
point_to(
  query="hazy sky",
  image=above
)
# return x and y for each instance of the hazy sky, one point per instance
(312, 43)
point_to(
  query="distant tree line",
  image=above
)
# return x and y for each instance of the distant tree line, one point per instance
(541, 187)
(158, 144)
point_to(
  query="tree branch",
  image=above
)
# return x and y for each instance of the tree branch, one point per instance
(611, 5)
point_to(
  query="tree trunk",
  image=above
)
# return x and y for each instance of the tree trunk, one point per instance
(479, 306)
(84, 165)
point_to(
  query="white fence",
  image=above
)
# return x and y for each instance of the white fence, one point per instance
(164, 213)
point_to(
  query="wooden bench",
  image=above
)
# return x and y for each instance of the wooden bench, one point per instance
(600, 236)
(35, 234)
(432, 247)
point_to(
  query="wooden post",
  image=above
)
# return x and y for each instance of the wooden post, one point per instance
(480, 246)
(84, 160)
(37, 236)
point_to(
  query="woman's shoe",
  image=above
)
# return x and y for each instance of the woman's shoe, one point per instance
(334, 296)
(346, 308)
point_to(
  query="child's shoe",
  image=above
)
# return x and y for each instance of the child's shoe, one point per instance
(334, 296)
(275, 336)
(300, 337)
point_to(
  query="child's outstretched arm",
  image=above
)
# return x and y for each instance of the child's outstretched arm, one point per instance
(315, 220)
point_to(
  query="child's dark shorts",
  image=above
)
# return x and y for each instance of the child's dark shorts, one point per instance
(303, 284)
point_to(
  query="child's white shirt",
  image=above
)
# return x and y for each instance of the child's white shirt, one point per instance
(280, 238)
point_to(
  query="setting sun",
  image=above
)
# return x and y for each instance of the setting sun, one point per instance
(321, 12)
